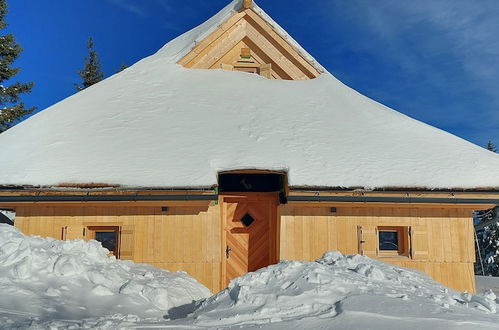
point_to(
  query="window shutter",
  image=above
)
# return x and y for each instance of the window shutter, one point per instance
(73, 232)
(266, 70)
(418, 242)
(367, 240)
(360, 242)
(126, 243)
(227, 67)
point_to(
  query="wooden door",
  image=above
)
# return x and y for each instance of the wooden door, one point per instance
(249, 235)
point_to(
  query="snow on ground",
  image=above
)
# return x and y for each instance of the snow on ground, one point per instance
(484, 283)
(45, 279)
(49, 284)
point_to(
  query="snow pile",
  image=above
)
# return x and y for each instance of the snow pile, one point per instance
(44, 279)
(74, 285)
(341, 291)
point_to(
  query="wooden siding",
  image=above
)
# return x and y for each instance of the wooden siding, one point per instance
(183, 238)
(442, 239)
(188, 236)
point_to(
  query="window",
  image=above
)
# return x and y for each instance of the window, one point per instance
(393, 241)
(7, 216)
(247, 220)
(108, 236)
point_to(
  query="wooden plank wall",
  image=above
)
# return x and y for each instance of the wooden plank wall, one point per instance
(188, 237)
(306, 232)
(183, 238)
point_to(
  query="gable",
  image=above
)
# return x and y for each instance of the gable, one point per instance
(247, 42)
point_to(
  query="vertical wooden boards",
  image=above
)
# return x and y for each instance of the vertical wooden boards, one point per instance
(266, 70)
(418, 242)
(441, 238)
(368, 240)
(184, 238)
(127, 242)
(73, 232)
(189, 237)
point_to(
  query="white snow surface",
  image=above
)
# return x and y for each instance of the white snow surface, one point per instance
(484, 283)
(42, 279)
(49, 284)
(157, 124)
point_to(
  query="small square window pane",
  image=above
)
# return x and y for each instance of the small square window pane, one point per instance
(388, 241)
(247, 220)
(107, 239)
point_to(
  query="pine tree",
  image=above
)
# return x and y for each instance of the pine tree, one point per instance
(488, 238)
(92, 72)
(491, 147)
(11, 109)
(122, 67)
(488, 241)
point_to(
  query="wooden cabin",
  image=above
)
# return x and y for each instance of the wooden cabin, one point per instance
(283, 178)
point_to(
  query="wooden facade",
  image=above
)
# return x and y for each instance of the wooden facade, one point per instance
(246, 42)
(193, 236)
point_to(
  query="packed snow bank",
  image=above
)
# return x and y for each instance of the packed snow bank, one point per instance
(74, 285)
(484, 283)
(343, 291)
(45, 279)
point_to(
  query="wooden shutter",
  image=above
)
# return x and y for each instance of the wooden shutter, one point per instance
(227, 67)
(367, 240)
(126, 242)
(418, 242)
(266, 70)
(74, 232)
(360, 242)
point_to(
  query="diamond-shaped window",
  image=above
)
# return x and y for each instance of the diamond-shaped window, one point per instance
(247, 220)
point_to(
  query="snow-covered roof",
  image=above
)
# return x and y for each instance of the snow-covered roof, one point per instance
(158, 124)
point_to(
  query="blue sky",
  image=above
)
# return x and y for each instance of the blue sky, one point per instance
(434, 60)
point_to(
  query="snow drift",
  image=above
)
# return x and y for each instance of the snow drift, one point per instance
(59, 285)
(180, 127)
(344, 291)
(46, 279)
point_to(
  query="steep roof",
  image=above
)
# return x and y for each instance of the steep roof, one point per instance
(158, 124)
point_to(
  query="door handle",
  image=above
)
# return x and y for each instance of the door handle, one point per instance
(227, 251)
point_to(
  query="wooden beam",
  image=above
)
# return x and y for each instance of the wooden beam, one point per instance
(247, 4)
(214, 36)
(285, 46)
(217, 49)
(277, 57)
